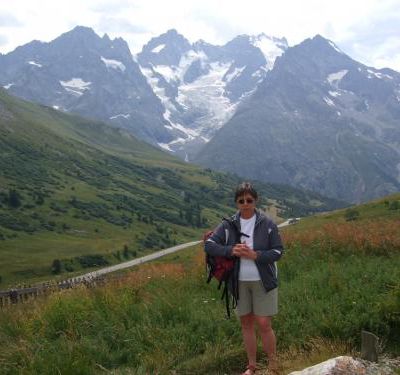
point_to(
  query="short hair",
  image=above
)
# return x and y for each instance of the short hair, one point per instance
(245, 188)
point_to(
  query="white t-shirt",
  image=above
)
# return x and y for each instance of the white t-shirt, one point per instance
(248, 269)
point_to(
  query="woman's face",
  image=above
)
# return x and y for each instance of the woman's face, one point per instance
(246, 205)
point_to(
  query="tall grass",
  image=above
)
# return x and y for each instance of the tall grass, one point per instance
(163, 318)
(347, 278)
(380, 237)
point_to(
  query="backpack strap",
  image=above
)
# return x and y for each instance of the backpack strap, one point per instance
(230, 298)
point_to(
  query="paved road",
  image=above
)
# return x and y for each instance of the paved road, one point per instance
(144, 259)
(137, 261)
(288, 222)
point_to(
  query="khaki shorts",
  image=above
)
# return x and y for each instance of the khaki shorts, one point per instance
(254, 299)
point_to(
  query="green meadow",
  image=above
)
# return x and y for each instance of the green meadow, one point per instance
(337, 277)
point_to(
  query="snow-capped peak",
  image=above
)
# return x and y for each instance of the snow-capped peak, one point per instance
(271, 47)
(113, 64)
(176, 73)
(335, 47)
(158, 48)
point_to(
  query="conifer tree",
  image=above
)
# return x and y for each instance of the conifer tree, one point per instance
(14, 200)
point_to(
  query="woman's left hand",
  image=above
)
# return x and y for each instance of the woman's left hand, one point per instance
(245, 252)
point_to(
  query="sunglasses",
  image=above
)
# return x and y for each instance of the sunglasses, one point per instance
(248, 201)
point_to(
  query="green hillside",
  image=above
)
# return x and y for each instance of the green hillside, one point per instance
(76, 193)
(337, 277)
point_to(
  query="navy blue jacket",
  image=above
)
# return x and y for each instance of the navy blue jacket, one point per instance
(267, 244)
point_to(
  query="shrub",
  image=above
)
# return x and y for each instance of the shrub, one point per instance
(92, 260)
(65, 227)
(125, 252)
(56, 266)
(39, 199)
(394, 205)
(14, 199)
(351, 214)
(69, 267)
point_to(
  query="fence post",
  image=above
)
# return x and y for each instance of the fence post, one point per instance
(13, 296)
(369, 346)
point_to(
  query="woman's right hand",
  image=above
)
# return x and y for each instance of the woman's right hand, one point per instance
(239, 249)
(242, 250)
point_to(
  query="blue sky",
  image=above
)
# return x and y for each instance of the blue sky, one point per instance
(368, 30)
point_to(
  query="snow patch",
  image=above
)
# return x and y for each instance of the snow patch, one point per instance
(335, 47)
(260, 73)
(120, 115)
(237, 72)
(34, 63)
(160, 92)
(248, 93)
(335, 78)
(207, 94)
(76, 86)
(190, 133)
(8, 85)
(178, 140)
(167, 72)
(329, 101)
(334, 93)
(165, 146)
(268, 47)
(158, 48)
(113, 64)
(176, 73)
(373, 74)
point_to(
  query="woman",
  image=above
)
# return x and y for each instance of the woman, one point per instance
(256, 245)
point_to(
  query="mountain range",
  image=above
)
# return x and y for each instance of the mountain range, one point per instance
(318, 120)
(201, 85)
(308, 115)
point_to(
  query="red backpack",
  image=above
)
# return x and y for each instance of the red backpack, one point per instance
(217, 266)
(221, 268)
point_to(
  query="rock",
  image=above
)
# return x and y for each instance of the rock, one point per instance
(343, 365)
(385, 366)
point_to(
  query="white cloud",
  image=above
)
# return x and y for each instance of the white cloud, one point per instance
(9, 20)
(367, 30)
(3, 40)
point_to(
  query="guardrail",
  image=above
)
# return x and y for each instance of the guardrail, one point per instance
(91, 279)
(18, 295)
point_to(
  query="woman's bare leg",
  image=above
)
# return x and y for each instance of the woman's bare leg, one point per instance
(249, 337)
(268, 339)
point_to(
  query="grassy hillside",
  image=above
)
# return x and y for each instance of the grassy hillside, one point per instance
(76, 193)
(163, 318)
